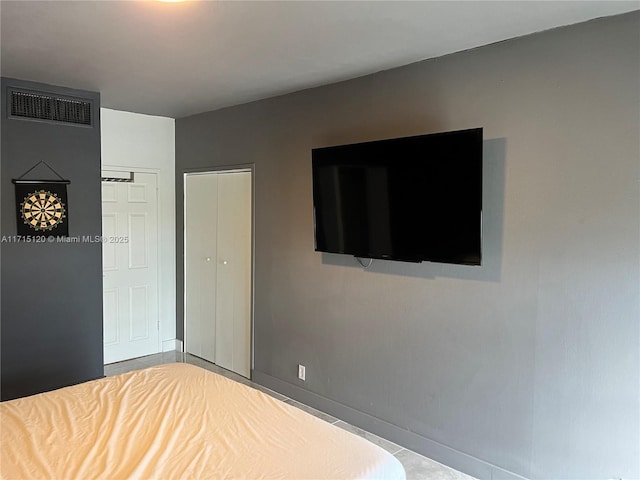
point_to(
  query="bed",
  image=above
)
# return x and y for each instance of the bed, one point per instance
(177, 421)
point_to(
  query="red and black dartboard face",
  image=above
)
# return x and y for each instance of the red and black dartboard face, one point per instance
(42, 210)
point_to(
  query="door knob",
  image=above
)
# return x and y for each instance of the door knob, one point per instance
(208, 259)
(224, 262)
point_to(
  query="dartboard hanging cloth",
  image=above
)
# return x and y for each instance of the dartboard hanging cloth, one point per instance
(42, 205)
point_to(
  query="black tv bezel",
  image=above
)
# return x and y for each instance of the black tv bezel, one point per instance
(478, 132)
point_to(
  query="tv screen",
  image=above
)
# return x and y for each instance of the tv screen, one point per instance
(410, 199)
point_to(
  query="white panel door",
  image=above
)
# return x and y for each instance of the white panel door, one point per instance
(218, 259)
(130, 268)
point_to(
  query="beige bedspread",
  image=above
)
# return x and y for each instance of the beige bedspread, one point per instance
(176, 421)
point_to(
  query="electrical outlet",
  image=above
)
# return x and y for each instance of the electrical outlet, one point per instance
(302, 372)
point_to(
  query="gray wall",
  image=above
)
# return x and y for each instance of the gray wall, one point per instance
(52, 292)
(528, 364)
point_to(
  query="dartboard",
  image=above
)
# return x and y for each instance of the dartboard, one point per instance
(42, 210)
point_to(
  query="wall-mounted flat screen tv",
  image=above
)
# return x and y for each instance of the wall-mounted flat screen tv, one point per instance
(411, 199)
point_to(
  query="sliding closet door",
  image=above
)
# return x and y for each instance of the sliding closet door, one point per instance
(201, 211)
(233, 306)
(218, 268)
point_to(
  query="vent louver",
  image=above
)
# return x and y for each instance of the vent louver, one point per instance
(53, 108)
(113, 179)
(116, 176)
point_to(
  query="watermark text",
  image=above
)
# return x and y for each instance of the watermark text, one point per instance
(70, 239)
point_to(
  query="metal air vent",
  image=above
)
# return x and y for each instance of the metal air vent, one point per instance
(49, 107)
(113, 176)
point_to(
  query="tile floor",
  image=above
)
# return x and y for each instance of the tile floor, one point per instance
(416, 466)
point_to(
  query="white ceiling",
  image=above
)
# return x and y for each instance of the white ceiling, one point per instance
(178, 59)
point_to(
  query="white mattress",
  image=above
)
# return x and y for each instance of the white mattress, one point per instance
(177, 421)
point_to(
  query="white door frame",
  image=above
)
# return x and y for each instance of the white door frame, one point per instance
(156, 172)
(250, 168)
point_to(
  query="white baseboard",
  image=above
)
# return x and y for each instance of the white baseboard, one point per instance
(172, 345)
